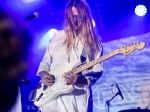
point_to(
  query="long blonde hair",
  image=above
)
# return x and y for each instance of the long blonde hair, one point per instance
(86, 30)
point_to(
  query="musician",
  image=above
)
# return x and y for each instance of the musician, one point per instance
(14, 47)
(66, 46)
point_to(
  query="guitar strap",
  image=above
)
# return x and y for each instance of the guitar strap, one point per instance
(84, 54)
(83, 57)
(83, 60)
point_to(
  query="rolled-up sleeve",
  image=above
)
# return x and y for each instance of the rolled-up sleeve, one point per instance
(45, 63)
(93, 74)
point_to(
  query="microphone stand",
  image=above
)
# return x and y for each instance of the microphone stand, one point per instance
(108, 101)
(147, 106)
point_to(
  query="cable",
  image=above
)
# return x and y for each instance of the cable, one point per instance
(107, 101)
(106, 107)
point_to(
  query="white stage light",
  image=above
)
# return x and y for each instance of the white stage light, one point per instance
(46, 38)
(140, 10)
(51, 32)
(28, 1)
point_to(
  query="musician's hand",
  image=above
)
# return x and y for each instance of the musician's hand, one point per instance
(70, 78)
(46, 78)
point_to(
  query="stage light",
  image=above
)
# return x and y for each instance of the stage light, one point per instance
(28, 1)
(46, 38)
(140, 10)
(51, 32)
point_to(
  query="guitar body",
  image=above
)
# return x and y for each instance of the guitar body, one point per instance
(45, 95)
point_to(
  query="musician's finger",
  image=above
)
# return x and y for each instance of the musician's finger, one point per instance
(47, 76)
(67, 75)
(51, 77)
(45, 83)
(49, 81)
(68, 80)
(71, 73)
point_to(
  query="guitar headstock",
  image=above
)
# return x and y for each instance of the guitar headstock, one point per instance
(126, 50)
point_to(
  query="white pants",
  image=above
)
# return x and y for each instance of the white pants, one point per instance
(76, 101)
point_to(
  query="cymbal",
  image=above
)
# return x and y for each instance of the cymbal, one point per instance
(135, 110)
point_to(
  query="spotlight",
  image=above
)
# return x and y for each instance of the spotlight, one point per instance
(46, 38)
(140, 10)
(51, 32)
(28, 1)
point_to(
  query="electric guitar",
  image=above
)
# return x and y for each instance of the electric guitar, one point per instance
(45, 94)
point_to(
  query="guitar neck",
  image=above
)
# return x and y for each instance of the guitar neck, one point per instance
(94, 62)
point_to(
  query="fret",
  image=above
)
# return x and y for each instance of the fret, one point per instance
(88, 65)
(117, 51)
(80, 68)
(93, 62)
(99, 59)
(73, 71)
(110, 54)
(96, 61)
(76, 71)
(106, 56)
(102, 58)
(84, 66)
(114, 53)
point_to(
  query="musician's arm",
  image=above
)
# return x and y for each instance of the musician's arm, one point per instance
(45, 63)
(47, 59)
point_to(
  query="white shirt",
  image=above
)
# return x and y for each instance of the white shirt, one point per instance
(55, 58)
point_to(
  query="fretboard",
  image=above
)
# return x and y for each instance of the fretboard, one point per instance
(94, 62)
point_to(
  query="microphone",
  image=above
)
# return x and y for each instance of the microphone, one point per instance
(119, 92)
(34, 15)
(25, 82)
